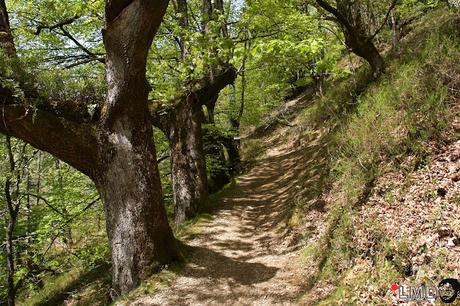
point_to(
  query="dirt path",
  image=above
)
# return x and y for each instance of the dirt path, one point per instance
(245, 255)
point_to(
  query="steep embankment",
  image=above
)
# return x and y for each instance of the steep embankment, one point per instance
(393, 188)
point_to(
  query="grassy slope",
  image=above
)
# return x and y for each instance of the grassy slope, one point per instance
(379, 127)
(85, 286)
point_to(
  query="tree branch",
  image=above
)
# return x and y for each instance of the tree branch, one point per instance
(163, 157)
(392, 6)
(71, 142)
(44, 201)
(85, 61)
(55, 26)
(205, 89)
(78, 44)
(64, 32)
(341, 19)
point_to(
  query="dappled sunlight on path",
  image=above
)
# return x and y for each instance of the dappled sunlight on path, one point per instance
(246, 254)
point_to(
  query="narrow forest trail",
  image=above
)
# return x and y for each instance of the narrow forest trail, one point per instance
(246, 254)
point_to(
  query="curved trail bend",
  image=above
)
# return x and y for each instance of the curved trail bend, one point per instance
(246, 255)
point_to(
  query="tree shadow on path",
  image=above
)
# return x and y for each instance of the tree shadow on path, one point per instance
(241, 257)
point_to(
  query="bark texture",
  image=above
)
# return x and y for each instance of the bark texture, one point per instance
(6, 39)
(116, 150)
(181, 121)
(188, 162)
(138, 229)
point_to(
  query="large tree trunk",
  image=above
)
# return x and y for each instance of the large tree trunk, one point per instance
(117, 152)
(188, 164)
(129, 180)
(182, 125)
(140, 237)
(365, 48)
(348, 16)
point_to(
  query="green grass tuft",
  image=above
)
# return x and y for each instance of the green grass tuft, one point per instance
(375, 124)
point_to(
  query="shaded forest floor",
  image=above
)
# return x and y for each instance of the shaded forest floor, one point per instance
(247, 253)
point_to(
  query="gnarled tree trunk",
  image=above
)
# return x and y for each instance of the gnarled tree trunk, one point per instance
(129, 181)
(365, 48)
(182, 124)
(188, 163)
(117, 152)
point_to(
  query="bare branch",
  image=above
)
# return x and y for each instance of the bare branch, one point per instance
(392, 6)
(47, 203)
(164, 156)
(81, 46)
(55, 26)
(86, 61)
(64, 32)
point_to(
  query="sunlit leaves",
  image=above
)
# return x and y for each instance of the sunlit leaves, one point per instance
(169, 71)
(51, 47)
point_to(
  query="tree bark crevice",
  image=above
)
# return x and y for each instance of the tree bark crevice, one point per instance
(181, 121)
(116, 151)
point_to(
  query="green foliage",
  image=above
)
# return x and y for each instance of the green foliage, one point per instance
(286, 48)
(408, 8)
(172, 74)
(217, 164)
(57, 228)
(279, 46)
(373, 124)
